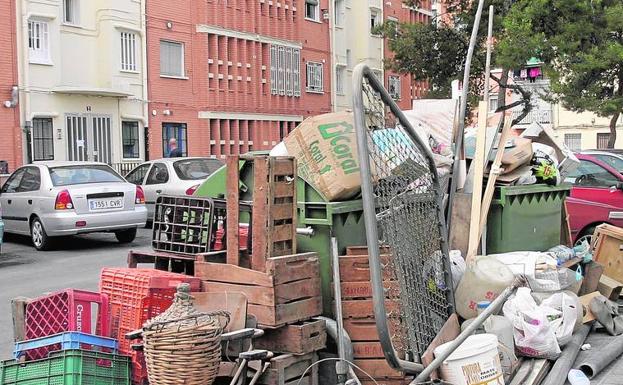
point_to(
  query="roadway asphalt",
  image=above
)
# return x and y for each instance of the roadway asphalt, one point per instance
(75, 263)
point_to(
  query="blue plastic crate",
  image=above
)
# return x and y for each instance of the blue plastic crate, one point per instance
(67, 340)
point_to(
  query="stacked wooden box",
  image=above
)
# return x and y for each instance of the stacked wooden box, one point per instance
(282, 288)
(358, 314)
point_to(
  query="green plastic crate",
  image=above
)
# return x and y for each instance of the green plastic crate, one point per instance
(68, 367)
(525, 218)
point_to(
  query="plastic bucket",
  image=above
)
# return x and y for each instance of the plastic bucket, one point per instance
(474, 362)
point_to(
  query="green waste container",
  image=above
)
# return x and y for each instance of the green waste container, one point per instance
(525, 218)
(343, 220)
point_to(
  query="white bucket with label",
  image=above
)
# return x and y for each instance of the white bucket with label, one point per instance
(475, 362)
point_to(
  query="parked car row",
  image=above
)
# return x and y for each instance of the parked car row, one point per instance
(50, 199)
(45, 200)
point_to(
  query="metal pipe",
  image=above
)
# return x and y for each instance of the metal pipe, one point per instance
(349, 353)
(341, 367)
(458, 146)
(602, 357)
(558, 374)
(307, 231)
(478, 321)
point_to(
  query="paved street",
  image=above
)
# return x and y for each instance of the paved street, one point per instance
(75, 264)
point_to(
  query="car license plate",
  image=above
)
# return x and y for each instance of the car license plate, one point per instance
(106, 204)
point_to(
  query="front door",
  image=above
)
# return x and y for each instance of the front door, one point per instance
(89, 137)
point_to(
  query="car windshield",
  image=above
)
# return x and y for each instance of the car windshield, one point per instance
(195, 169)
(70, 175)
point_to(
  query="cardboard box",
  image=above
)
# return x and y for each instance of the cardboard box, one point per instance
(325, 147)
(516, 155)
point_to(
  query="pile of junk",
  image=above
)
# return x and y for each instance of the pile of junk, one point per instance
(360, 250)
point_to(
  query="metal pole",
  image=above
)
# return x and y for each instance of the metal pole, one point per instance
(478, 321)
(458, 146)
(341, 367)
(558, 374)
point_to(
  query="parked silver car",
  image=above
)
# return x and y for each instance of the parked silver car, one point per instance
(171, 176)
(50, 199)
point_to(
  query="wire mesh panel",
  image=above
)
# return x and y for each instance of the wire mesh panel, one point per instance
(404, 226)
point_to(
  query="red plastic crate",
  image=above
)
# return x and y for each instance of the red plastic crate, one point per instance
(243, 235)
(137, 295)
(66, 311)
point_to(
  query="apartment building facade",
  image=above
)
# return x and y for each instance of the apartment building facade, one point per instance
(11, 144)
(227, 77)
(354, 41)
(82, 89)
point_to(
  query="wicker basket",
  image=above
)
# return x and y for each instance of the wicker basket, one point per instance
(183, 345)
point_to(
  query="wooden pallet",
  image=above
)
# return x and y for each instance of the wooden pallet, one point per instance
(288, 292)
(178, 263)
(299, 338)
(274, 208)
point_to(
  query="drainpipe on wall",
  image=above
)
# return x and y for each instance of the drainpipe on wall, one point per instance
(145, 98)
(23, 78)
(333, 51)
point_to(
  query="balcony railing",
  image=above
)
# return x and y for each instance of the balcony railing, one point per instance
(539, 116)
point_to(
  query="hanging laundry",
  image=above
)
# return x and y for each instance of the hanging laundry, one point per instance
(523, 74)
(534, 72)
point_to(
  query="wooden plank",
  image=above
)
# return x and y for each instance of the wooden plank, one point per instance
(218, 272)
(450, 330)
(269, 296)
(283, 166)
(283, 233)
(356, 268)
(294, 267)
(279, 315)
(592, 275)
(357, 250)
(361, 329)
(364, 308)
(300, 338)
(282, 211)
(479, 165)
(287, 369)
(461, 214)
(261, 233)
(283, 189)
(565, 230)
(377, 368)
(493, 175)
(609, 287)
(368, 349)
(234, 303)
(18, 311)
(353, 290)
(233, 210)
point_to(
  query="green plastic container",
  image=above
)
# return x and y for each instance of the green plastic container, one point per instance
(68, 367)
(525, 218)
(343, 220)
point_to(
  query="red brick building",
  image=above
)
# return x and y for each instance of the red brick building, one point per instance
(226, 77)
(405, 88)
(11, 143)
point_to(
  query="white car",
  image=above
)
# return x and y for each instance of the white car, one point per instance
(51, 199)
(171, 176)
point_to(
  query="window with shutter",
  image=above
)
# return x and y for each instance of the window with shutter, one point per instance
(171, 58)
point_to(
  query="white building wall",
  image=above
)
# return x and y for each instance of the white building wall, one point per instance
(354, 35)
(84, 73)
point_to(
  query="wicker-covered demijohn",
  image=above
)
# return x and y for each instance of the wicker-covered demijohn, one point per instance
(183, 345)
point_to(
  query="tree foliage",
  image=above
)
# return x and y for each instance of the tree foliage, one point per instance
(579, 41)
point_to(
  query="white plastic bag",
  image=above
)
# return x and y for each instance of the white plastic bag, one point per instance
(566, 314)
(534, 336)
(457, 266)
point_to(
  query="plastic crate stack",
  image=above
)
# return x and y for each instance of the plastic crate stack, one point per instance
(66, 343)
(135, 296)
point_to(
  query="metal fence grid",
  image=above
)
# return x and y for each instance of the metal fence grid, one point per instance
(403, 213)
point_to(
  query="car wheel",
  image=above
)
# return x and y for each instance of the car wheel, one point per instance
(126, 236)
(40, 238)
(587, 235)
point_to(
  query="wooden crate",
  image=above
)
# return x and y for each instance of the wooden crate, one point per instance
(608, 250)
(287, 369)
(273, 226)
(361, 329)
(288, 292)
(299, 338)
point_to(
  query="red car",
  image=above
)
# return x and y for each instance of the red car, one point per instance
(596, 197)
